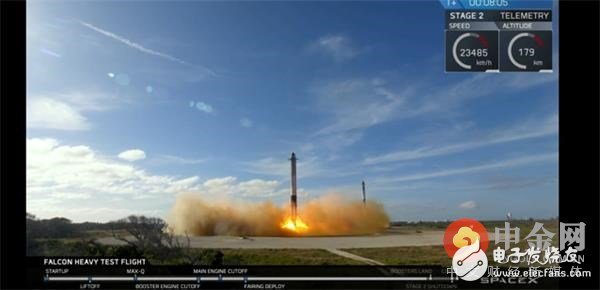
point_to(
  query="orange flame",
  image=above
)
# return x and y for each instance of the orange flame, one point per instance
(297, 227)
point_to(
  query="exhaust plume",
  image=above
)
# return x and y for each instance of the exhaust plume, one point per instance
(327, 215)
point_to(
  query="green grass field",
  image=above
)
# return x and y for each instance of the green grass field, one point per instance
(436, 255)
(424, 255)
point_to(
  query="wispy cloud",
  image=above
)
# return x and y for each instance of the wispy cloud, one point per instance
(309, 166)
(504, 182)
(177, 160)
(50, 52)
(132, 155)
(518, 132)
(357, 104)
(224, 187)
(65, 111)
(47, 113)
(70, 195)
(246, 123)
(90, 100)
(469, 204)
(339, 141)
(338, 47)
(177, 75)
(360, 103)
(519, 161)
(202, 107)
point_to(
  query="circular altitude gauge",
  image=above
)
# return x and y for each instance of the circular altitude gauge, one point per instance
(455, 53)
(527, 52)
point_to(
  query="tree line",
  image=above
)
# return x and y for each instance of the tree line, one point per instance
(140, 236)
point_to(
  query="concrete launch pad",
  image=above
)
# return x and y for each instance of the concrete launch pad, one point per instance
(378, 241)
(426, 238)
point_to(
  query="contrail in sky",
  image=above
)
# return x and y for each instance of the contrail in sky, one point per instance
(134, 44)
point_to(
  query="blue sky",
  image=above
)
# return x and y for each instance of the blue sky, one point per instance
(132, 103)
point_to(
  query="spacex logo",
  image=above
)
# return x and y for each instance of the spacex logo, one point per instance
(466, 241)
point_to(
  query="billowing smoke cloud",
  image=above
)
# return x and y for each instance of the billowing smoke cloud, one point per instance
(195, 216)
(328, 215)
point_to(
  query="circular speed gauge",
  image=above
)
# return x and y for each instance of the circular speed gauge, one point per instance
(474, 49)
(525, 50)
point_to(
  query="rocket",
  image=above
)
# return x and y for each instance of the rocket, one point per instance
(364, 194)
(293, 199)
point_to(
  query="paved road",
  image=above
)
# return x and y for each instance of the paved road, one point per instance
(355, 257)
(425, 238)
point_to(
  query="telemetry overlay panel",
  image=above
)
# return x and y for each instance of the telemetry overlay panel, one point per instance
(498, 40)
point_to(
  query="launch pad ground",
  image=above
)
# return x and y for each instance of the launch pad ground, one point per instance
(391, 238)
(344, 242)
(402, 244)
(347, 248)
